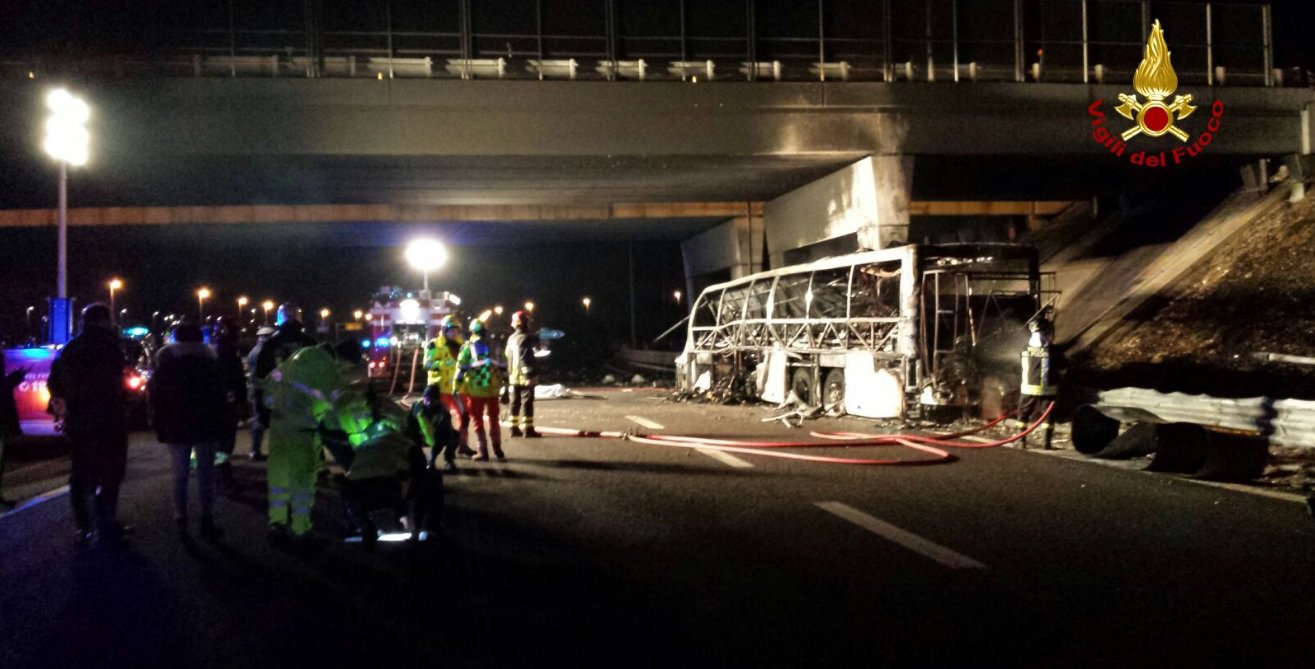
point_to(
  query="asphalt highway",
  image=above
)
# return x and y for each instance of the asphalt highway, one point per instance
(607, 552)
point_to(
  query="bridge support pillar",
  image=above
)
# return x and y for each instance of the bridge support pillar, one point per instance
(863, 206)
(731, 250)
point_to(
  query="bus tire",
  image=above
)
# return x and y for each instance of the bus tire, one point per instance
(833, 390)
(801, 384)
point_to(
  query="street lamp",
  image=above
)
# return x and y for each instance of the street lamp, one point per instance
(676, 294)
(586, 302)
(268, 305)
(155, 315)
(201, 296)
(241, 304)
(529, 306)
(498, 310)
(67, 140)
(28, 332)
(114, 285)
(426, 255)
(357, 314)
(123, 315)
(324, 314)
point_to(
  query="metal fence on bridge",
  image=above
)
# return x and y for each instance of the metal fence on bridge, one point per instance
(1090, 41)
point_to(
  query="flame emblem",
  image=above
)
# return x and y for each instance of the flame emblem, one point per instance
(1155, 79)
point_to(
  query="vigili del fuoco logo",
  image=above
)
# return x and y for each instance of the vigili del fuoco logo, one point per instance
(1154, 117)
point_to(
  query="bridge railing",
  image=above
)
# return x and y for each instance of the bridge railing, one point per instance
(1091, 41)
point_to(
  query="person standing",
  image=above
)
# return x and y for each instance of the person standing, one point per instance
(259, 412)
(88, 390)
(189, 404)
(478, 371)
(522, 374)
(9, 425)
(234, 383)
(302, 392)
(1039, 388)
(441, 369)
(287, 338)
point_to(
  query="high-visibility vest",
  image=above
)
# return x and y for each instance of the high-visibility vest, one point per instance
(479, 375)
(440, 364)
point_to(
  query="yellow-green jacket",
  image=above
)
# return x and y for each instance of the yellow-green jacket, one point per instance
(479, 375)
(440, 364)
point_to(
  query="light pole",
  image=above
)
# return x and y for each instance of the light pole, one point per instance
(586, 302)
(426, 255)
(155, 316)
(529, 307)
(241, 304)
(676, 294)
(28, 332)
(267, 304)
(201, 296)
(67, 141)
(123, 315)
(114, 285)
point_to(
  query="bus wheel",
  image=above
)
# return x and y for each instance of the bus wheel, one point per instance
(801, 384)
(833, 391)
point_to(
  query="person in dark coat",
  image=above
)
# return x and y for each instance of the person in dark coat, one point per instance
(88, 390)
(235, 395)
(9, 425)
(189, 405)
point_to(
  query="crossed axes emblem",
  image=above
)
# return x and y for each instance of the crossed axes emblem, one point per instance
(1163, 120)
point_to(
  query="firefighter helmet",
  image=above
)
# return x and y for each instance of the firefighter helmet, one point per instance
(520, 320)
(449, 322)
(477, 326)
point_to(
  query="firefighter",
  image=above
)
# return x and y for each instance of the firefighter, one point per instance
(297, 391)
(521, 374)
(1039, 386)
(478, 374)
(441, 369)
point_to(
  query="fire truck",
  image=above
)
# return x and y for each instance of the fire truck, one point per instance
(400, 323)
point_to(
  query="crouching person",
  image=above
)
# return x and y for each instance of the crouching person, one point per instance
(387, 481)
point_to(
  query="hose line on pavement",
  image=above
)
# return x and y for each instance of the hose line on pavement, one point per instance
(933, 446)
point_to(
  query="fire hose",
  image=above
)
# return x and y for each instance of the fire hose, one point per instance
(932, 445)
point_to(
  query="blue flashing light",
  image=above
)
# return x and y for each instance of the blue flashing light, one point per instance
(365, 343)
(30, 354)
(136, 331)
(381, 342)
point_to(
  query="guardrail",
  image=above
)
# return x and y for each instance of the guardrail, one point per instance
(1285, 422)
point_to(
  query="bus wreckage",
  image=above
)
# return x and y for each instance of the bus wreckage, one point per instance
(877, 334)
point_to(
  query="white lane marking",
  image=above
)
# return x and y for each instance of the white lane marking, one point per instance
(44, 497)
(726, 458)
(902, 537)
(644, 422)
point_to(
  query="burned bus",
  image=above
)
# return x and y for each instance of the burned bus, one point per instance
(870, 332)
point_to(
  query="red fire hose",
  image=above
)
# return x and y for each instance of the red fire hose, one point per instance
(847, 439)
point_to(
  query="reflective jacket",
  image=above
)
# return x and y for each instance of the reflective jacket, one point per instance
(441, 363)
(1038, 369)
(477, 372)
(520, 359)
(302, 389)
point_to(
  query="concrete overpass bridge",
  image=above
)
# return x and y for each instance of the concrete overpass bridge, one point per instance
(889, 113)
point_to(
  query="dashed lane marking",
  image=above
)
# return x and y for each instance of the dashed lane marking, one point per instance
(902, 537)
(726, 458)
(644, 422)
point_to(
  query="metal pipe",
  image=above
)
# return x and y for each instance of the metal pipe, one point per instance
(1267, 19)
(1086, 61)
(1018, 41)
(62, 279)
(821, 41)
(954, 35)
(1209, 44)
(752, 31)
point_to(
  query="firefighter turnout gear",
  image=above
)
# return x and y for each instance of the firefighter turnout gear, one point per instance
(1038, 387)
(521, 375)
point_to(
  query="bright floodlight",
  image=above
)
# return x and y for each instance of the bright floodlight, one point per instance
(426, 255)
(67, 138)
